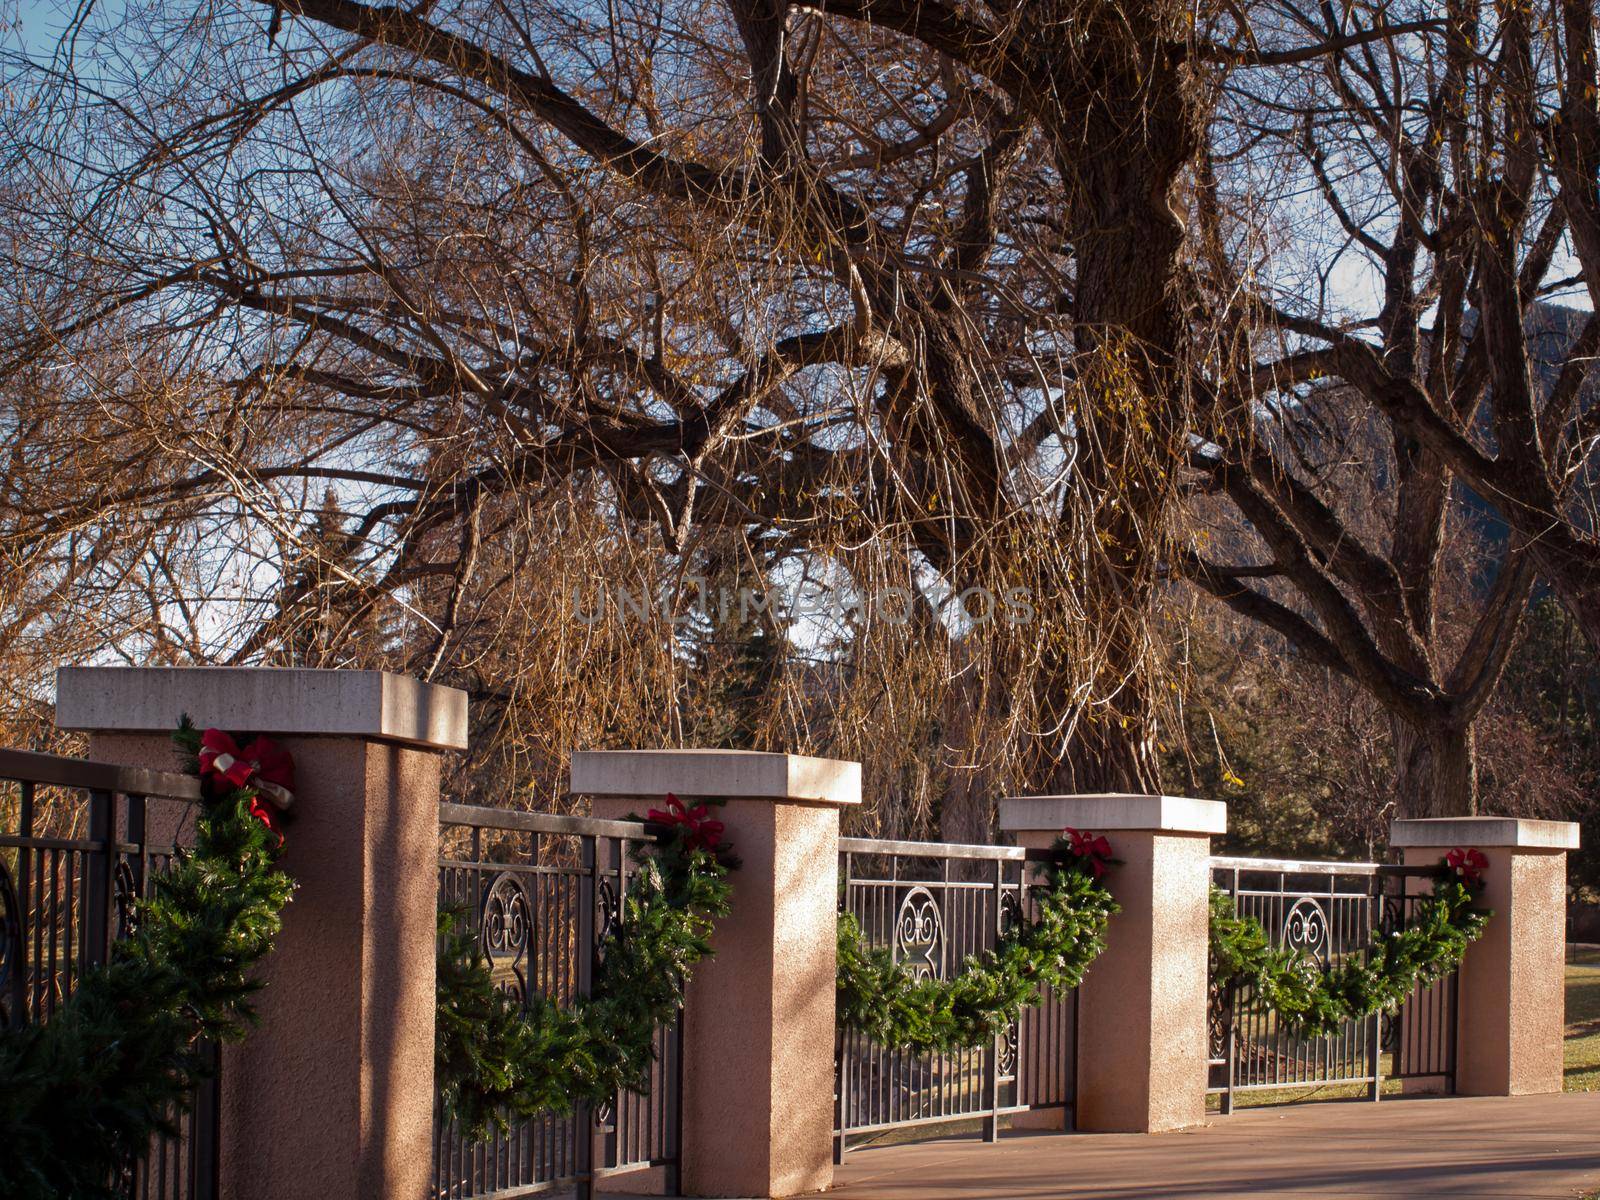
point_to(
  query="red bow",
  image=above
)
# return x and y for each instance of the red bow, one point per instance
(263, 762)
(1469, 864)
(274, 770)
(1093, 849)
(264, 814)
(220, 756)
(699, 830)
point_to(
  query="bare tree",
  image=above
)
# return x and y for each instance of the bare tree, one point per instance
(895, 287)
(1459, 163)
(1430, 164)
(412, 321)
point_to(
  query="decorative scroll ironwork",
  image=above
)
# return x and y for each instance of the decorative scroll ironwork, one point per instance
(934, 905)
(10, 945)
(1389, 1032)
(1325, 914)
(1305, 929)
(1010, 912)
(1006, 1062)
(1219, 1006)
(1393, 918)
(919, 934)
(608, 916)
(548, 893)
(125, 899)
(505, 932)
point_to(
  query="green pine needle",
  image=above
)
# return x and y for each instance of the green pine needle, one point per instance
(1313, 1001)
(498, 1058)
(880, 998)
(83, 1094)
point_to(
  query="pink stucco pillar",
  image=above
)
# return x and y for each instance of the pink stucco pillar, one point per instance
(1142, 1056)
(759, 1018)
(1511, 1006)
(333, 1094)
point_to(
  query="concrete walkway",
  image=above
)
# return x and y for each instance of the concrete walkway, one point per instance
(1462, 1148)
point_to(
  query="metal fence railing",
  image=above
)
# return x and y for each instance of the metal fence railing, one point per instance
(74, 857)
(1329, 912)
(543, 894)
(934, 904)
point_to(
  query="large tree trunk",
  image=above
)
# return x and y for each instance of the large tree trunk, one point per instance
(1113, 748)
(1111, 744)
(1124, 147)
(1436, 770)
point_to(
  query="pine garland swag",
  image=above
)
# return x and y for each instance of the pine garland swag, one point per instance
(1316, 1002)
(879, 998)
(499, 1057)
(83, 1094)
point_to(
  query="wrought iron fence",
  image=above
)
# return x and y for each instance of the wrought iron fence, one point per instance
(544, 893)
(934, 905)
(74, 857)
(1329, 912)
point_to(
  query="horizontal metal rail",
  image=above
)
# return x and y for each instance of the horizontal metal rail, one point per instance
(1007, 1110)
(479, 817)
(25, 766)
(1295, 866)
(85, 845)
(945, 850)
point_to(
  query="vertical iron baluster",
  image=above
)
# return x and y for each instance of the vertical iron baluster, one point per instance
(20, 969)
(1230, 1008)
(841, 1056)
(1375, 1023)
(991, 1123)
(1454, 1033)
(585, 1125)
(98, 864)
(53, 970)
(617, 1153)
(139, 866)
(1077, 1040)
(891, 1061)
(1343, 1043)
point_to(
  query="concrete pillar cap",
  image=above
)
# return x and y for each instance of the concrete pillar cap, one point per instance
(716, 774)
(1516, 832)
(282, 700)
(1113, 811)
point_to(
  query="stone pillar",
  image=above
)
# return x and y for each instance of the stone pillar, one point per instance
(1511, 1005)
(758, 1070)
(333, 1094)
(1142, 1041)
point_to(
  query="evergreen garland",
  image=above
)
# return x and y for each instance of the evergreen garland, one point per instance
(1314, 1001)
(498, 1057)
(878, 997)
(82, 1094)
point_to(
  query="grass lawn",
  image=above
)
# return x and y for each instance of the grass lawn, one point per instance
(1583, 1019)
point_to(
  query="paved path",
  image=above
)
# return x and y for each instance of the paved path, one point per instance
(1462, 1148)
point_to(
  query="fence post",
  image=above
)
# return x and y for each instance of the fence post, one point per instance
(1142, 1035)
(1510, 1002)
(758, 1026)
(333, 1094)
